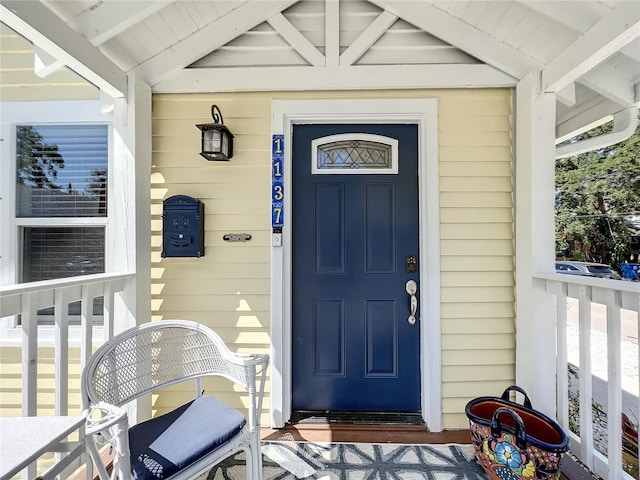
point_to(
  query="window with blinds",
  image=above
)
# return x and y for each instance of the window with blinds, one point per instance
(61, 170)
(61, 174)
(57, 252)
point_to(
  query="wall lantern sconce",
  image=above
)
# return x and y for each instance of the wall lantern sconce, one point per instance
(217, 140)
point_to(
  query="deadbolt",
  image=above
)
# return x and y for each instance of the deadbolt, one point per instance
(411, 264)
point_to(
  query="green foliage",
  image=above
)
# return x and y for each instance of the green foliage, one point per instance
(594, 192)
(38, 162)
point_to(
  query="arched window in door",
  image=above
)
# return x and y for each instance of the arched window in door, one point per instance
(354, 153)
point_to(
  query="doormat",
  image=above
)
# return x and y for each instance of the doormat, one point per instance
(350, 417)
(357, 461)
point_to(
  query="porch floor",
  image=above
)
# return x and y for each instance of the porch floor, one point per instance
(413, 434)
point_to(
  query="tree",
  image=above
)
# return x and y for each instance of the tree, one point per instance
(38, 162)
(98, 189)
(595, 191)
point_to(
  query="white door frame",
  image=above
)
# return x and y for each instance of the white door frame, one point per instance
(424, 113)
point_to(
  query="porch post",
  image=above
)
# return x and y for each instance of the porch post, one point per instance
(129, 242)
(535, 241)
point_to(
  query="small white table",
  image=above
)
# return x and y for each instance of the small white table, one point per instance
(24, 439)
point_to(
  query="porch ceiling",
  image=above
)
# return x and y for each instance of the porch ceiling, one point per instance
(588, 52)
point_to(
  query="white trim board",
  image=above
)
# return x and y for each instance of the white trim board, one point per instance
(343, 77)
(424, 113)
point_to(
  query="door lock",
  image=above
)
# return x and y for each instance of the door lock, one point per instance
(411, 264)
(411, 288)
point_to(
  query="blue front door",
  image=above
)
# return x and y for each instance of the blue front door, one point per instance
(355, 247)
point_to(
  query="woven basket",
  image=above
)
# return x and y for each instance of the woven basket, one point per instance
(513, 441)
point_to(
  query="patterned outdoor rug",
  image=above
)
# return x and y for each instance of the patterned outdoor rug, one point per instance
(343, 461)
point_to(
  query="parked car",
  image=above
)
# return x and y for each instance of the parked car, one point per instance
(587, 269)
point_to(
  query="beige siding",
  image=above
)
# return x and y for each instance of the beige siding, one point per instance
(478, 331)
(228, 288)
(19, 82)
(11, 381)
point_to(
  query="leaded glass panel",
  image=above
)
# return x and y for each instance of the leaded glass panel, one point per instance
(355, 153)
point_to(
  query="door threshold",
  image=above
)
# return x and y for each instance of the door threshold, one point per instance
(355, 417)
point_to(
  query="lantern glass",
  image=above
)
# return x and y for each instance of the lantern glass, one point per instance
(217, 140)
(225, 145)
(211, 141)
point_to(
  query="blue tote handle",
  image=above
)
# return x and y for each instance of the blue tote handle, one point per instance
(505, 395)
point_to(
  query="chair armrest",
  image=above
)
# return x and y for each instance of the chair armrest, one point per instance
(113, 426)
(252, 364)
(110, 416)
(257, 359)
(243, 359)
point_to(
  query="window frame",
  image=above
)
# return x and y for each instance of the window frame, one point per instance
(72, 112)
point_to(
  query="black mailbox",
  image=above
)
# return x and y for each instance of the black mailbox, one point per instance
(182, 227)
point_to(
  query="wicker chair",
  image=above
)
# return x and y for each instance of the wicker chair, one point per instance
(188, 440)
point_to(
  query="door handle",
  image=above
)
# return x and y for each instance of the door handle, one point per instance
(412, 288)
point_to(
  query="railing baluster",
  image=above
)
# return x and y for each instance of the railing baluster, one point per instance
(61, 317)
(86, 325)
(29, 356)
(560, 290)
(29, 366)
(61, 355)
(585, 375)
(614, 383)
(108, 310)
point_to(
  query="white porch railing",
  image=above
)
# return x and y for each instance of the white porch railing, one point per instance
(607, 366)
(26, 299)
(579, 297)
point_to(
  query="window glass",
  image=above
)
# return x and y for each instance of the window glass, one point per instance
(58, 252)
(61, 170)
(354, 154)
(599, 269)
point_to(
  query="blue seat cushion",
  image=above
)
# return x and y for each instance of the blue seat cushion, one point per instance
(163, 445)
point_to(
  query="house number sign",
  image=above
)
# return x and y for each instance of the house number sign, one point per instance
(236, 237)
(277, 189)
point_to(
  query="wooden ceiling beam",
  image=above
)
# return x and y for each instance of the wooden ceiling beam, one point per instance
(367, 38)
(109, 19)
(297, 40)
(47, 31)
(462, 35)
(610, 83)
(332, 32)
(45, 64)
(608, 36)
(577, 18)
